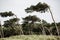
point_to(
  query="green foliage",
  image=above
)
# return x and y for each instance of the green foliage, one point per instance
(8, 31)
(40, 7)
(5, 14)
(28, 23)
(31, 18)
(11, 22)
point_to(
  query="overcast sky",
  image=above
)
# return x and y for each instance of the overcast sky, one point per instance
(18, 7)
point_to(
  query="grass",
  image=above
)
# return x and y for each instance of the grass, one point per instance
(32, 37)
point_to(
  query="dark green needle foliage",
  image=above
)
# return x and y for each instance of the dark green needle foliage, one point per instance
(40, 7)
(31, 18)
(5, 14)
(10, 22)
(28, 23)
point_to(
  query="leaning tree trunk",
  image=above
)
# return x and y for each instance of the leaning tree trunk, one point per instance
(54, 22)
(43, 31)
(2, 33)
(49, 31)
(19, 26)
(31, 25)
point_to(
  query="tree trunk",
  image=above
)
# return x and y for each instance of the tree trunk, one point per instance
(31, 25)
(43, 31)
(17, 24)
(30, 29)
(2, 33)
(21, 30)
(49, 31)
(54, 22)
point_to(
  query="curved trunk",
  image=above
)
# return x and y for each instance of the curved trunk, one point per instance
(49, 31)
(54, 22)
(18, 23)
(21, 30)
(2, 33)
(32, 23)
(43, 31)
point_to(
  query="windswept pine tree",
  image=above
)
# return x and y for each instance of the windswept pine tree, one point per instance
(5, 14)
(12, 25)
(31, 19)
(42, 7)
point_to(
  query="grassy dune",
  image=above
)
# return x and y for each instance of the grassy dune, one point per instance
(32, 37)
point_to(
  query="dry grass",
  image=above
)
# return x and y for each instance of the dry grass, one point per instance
(32, 37)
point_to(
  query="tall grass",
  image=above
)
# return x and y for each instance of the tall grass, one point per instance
(32, 37)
